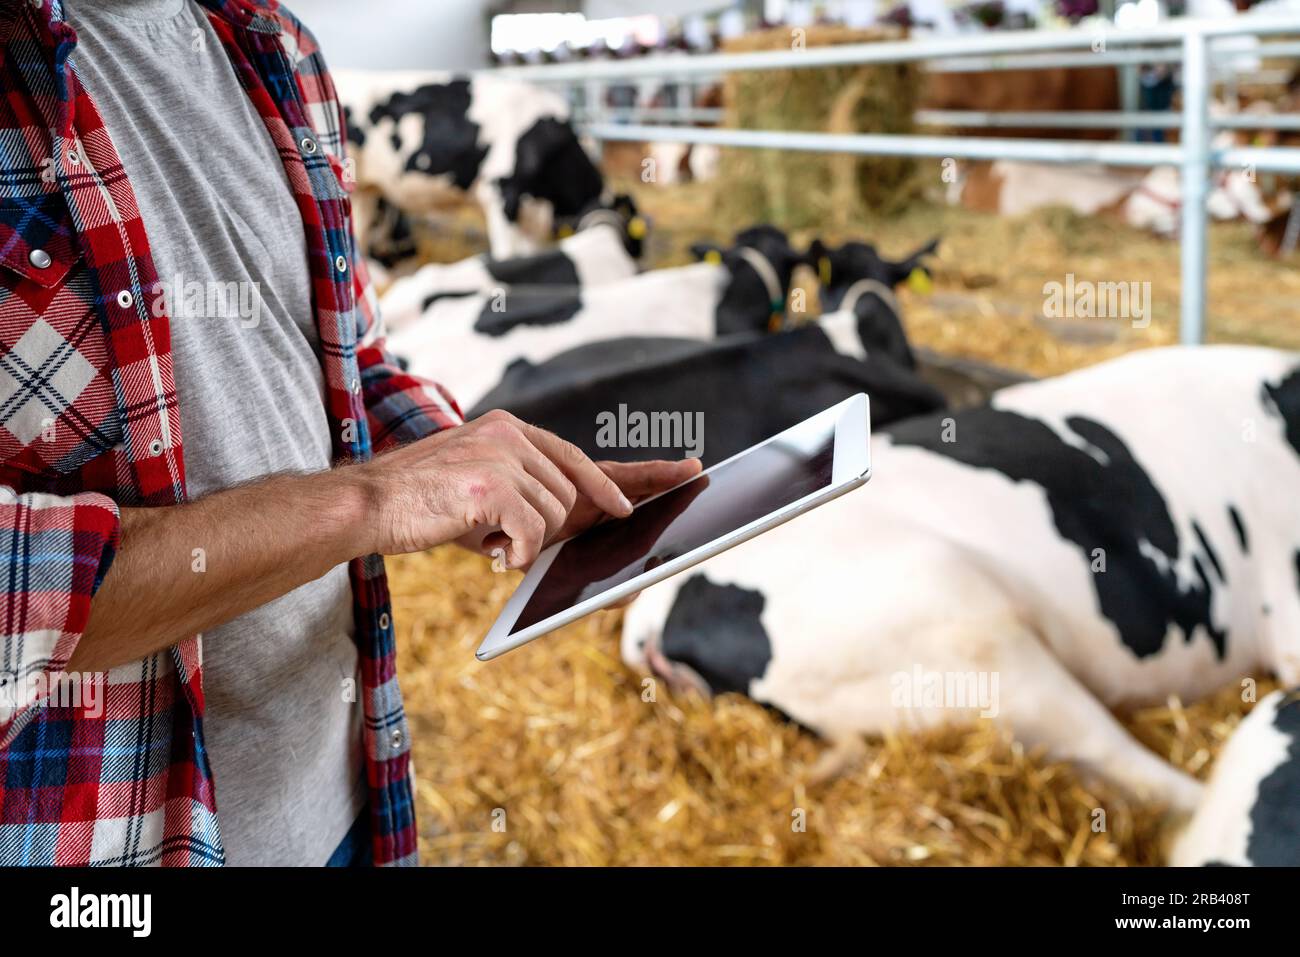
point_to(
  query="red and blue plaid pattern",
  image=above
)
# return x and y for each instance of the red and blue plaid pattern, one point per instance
(89, 422)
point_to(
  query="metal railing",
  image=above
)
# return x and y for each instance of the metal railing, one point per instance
(1189, 42)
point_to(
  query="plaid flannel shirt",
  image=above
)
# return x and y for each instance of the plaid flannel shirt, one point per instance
(89, 422)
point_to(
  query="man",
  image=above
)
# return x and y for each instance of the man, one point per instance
(176, 258)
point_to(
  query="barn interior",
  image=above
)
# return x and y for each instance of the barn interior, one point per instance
(559, 737)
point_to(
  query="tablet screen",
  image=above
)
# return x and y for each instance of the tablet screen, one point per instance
(710, 506)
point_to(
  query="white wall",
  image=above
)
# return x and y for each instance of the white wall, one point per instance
(398, 34)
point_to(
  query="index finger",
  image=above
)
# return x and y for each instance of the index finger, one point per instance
(582, 471)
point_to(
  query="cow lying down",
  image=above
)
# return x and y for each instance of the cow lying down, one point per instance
(714, 399)
(1251, 811)
(467, 343)
(598, 253)
(1094, 541)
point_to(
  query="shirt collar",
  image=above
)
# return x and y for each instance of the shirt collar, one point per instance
(242, 13)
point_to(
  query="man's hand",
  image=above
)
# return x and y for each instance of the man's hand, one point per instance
(636, 480)
(494, 476)
(496, 482)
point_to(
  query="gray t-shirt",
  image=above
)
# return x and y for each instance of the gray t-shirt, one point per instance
(282, 731)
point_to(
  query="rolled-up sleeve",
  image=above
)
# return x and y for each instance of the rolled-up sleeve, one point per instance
(55, 553)
(400, 407)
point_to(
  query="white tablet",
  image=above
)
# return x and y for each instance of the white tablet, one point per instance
(803, 467)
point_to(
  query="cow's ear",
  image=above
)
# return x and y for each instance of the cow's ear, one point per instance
(707, 252)
(902, 271)
(817, 257)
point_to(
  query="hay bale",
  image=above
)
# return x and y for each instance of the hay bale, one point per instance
(810, 189)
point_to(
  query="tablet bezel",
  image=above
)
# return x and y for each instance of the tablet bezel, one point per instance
(850, 468)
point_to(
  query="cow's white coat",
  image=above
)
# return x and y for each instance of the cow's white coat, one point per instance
(443, 344)
(961, 569)
(1220, 829)
(1151, 202)
(598, 254)
(503, 109)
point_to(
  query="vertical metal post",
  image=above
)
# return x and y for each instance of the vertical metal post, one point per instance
(1130, 95)
(1195, 184)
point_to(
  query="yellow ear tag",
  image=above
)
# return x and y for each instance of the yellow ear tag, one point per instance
(713, 257)
(919, 282)
(636, 227)
(565, 232)
(824, 270)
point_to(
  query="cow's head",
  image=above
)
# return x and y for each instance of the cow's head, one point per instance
(856, 278)
(620, 211)
(838, 269)
(761, 263)
(551, 166)
(712, 641)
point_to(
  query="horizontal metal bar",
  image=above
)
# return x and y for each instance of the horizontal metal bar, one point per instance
(900, 51)
(1013, 61)
(1268, 160)
(667, 114)
(1050, 119)
(892, 144)
(1047, 61)
(1263, 159)
(1123, 57)
(1100, 120)
(1037, 119)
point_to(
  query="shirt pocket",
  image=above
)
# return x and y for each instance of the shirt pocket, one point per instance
(58, 408)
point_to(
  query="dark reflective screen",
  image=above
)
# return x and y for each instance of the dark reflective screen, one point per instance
(709, 507)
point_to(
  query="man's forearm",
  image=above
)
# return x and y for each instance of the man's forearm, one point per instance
(183, 569)
(186, 568)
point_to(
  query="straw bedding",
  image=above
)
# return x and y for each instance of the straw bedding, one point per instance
(552, 755)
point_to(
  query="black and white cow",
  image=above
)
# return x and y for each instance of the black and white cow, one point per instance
(742, 388)
(847, 273)
(426, 140)
(599, 252)
(468, 342)
(1103, 539)
(1251, 811)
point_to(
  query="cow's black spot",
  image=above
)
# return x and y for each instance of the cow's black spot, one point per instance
(356, 135)
(749, 387)
(1239, 527)
(536, 307)
(718, 631)
(450, 141)
(746, 304)
(550, 268)
(551, 164)
(1209, 550)
(1113, 506)
(881, 330)
(449, 294)
(1297, 568)
(1284, 400)
(1275, 817)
